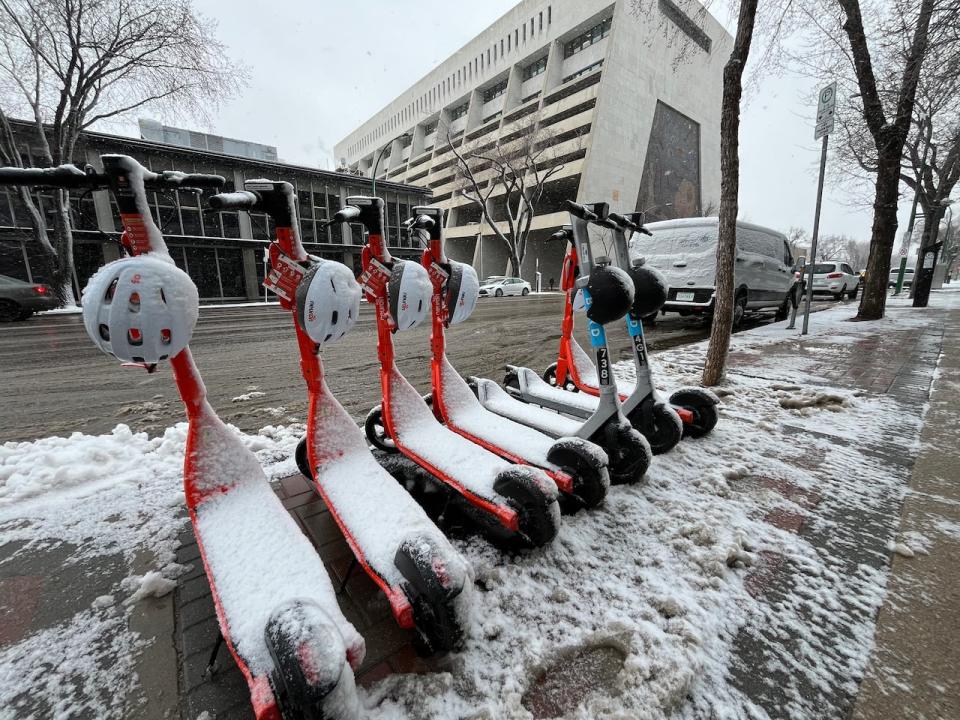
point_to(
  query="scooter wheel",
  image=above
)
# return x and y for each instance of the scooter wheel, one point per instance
(303, 463)
(702, 404)
(591, 478)
(538, 510)
(660, 425)
(628, 450)
(550, 377)
(310, 673)
(434, 606)
(377, 432)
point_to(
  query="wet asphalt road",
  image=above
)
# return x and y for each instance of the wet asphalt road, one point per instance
(54, 381)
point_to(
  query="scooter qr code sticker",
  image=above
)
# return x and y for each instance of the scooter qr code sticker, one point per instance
(284, 277)
(374, 278)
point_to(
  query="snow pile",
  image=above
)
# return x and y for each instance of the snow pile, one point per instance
(101, 500)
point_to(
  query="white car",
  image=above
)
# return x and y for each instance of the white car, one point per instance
(685, 252)
(907, 277)
(836, 278)
(500, 286)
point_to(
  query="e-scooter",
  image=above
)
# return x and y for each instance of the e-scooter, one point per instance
(691, 412)
(515, 504)
(425, 580)
(608, 295)
(578, 467)
(275, 604)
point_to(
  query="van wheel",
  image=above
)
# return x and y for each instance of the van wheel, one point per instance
(739, 309)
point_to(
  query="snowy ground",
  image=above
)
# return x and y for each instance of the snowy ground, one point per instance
(671, 573)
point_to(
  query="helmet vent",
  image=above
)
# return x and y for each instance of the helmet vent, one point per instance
(334, 317)
(104, 332)
(166, 336)
(332, 285)
(134, 302)
(163, 297)
(134, 337)
(111, 289)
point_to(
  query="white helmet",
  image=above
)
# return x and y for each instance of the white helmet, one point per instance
(409, 291)
(328, 301)
(140, 309)
(463, 289)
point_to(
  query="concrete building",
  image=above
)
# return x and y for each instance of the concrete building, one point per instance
(626, 95)
(222, 251)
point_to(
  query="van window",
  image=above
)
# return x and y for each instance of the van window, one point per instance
(757, 241)
(681, 240)
(787, 255)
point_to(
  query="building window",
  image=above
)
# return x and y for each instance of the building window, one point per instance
(584, 71)
(495, 91)
(540, 22)
(549, 14)
(497, 114)
(430, 128)
(535, 68)
(488, 56)
(508, 42)
(670, 183)
(516, 38)
(459, 111)
(585, 40)
(524, 32)
(501, 47)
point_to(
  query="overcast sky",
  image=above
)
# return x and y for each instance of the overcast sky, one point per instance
(319, 69)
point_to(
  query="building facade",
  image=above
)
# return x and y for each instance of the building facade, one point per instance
(626, 95)
(222, 251)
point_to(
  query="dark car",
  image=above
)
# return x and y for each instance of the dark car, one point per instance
(19, 300)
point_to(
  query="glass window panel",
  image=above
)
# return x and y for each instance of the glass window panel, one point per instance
(306, 231)
(231, 224)
(191, 222)
(202, 267)
(11, 260)
(231, 272)
(259, 224)
(305, 204)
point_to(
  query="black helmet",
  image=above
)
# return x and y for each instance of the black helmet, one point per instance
(611, 294)
(649, 289)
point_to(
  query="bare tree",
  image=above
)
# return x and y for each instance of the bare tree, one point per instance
(856, 253)
(831, 247)
(798, 240)
(506, 182)
(880, 49)
(719, 345)
(66, 65)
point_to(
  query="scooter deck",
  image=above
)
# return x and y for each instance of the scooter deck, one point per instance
(375, 512)
(466, 414)
(498, 401)
(255, 556)
(419, 435)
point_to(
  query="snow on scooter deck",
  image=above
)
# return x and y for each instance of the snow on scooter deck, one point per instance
(254, 551)
(379, 513)
(536, 389)
(420, 433)
(497, 400)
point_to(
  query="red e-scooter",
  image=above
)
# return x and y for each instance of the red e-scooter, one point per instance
(577, 466)
(515, 504)
(275, 604)
(425, 580)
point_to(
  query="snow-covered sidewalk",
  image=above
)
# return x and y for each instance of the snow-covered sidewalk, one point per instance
(742, 580)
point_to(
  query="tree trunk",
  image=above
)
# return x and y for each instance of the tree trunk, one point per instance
(63, 233)
(722, 326)
(886, 196)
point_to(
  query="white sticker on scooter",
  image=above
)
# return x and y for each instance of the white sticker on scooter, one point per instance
(578, 304)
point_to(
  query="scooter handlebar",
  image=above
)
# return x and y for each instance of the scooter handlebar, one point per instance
(580, 211)
(175, 179)
(240, 200)
(628, 223)
(345, 214)
(564, 234)
(64, 176)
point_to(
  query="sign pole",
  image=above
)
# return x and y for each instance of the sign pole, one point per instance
(812, 260)
(826, 105)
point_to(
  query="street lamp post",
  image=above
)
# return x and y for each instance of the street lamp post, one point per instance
(376, 164)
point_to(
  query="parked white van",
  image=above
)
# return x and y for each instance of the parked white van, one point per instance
(685, 252)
